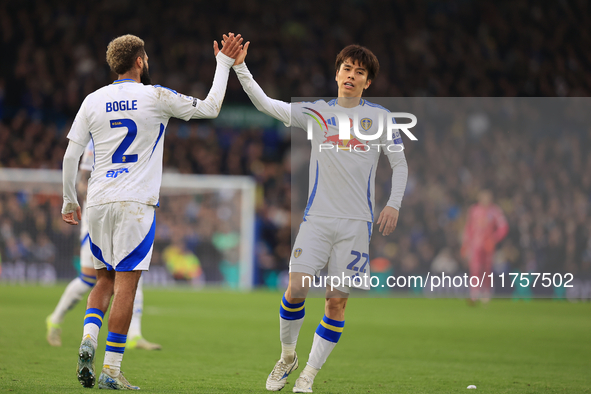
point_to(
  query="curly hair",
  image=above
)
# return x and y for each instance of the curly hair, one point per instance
(123, 51)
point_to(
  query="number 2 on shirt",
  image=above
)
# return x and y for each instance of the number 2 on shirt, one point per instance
(119, 155)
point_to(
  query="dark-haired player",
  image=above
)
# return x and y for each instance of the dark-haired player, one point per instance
(339, 215)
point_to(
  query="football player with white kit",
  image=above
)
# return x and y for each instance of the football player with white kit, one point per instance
(81, 285)
(339, 216)
(126, 122)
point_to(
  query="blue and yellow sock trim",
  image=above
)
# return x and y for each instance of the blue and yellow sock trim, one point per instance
(289, 311)
(330, 330)
(116, 342)
(88, 279)
(95, 316)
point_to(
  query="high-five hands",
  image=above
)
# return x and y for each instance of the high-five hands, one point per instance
(231, 47)
(243, 51)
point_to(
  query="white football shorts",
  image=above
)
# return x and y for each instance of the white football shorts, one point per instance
(86, 260)
(343, 244)
(85, 253)
(121, 235)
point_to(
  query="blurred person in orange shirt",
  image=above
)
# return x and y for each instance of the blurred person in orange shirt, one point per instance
(486, 226)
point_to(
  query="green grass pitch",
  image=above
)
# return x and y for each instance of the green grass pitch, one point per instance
(227, 342)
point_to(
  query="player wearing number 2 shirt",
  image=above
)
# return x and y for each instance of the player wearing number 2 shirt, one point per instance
(126, 122)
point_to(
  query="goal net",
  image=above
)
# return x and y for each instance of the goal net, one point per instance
(204, 230)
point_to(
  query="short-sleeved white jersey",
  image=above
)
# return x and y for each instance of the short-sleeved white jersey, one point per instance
(342, 178)
(126, 122)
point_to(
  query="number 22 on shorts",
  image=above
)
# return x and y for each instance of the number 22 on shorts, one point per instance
(358, 256)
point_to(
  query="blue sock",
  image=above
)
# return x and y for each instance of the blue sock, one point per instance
(93, 321)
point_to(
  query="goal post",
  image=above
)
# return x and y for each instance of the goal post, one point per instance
(226, 201)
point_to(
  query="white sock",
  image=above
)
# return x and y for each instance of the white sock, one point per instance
(92, 330)
(291, 318)
(310, 371)
(288, 352)
(93, 321)
(135, 327)
(112, 363)
(114, 353)
(71, 296)
(321, 349)
(289, 330)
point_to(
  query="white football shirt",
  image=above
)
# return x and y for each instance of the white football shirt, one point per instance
(342, 174)
(126, 122)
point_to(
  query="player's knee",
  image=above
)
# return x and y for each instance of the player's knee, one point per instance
(335, 308)
(298, 287)
(103, 276)
(88, 271)
(127, 281)
(294, 296)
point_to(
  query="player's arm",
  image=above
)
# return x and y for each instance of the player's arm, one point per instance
(84, 170)
(70, 169)
(394, 150)
(277, 109)
(501, 228)
(183, 107)
(501, 225)
(389, 216)
(79, 137)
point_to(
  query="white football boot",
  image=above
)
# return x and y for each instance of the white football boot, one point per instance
(303, 384)
(278, 376)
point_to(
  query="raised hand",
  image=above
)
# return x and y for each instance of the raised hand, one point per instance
(230, 47)
(243, 51)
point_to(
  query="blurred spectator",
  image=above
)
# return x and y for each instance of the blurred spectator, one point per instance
(181, 262)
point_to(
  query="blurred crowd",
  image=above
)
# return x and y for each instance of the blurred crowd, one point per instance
(54, 55)
(529, 152)
(33, 233)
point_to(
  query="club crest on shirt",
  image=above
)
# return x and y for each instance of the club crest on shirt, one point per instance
(366, 123)
(297, 253)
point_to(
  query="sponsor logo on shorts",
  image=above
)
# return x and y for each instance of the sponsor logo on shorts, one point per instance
(297, 252)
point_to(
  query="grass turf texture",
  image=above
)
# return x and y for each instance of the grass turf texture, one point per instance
(227, 342)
